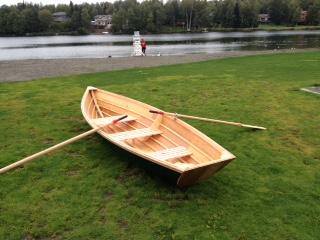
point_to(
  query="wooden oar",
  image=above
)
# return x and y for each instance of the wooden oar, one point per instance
(209, 120)
(57, 146)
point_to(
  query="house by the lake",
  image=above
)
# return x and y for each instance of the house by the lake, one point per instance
(264, 18)
(180, 23)
(303, 17)
(102, 21)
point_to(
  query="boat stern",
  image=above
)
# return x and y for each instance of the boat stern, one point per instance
(192, 176)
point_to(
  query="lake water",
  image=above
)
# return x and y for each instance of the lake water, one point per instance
(101, 46)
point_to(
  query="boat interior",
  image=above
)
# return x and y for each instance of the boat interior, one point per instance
(164, 139)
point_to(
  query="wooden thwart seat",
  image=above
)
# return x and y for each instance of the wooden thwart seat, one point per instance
(138, 133)
(106, 120)
(170, 153)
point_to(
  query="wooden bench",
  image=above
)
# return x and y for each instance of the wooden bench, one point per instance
(171, 153)
(138, 133)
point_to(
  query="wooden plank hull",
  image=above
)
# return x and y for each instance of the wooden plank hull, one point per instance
(192, 176)
(163, 140)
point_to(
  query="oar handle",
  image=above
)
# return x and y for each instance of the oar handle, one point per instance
(57, 146)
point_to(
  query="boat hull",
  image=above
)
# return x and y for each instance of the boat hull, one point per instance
(166, 141)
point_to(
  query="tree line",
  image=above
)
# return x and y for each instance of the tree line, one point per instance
(28, 18)
(154, 15)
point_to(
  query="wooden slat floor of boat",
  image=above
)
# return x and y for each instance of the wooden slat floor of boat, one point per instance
(199, 156)
(169, 143)
(138, 133)
(144, 145)
(171, 153)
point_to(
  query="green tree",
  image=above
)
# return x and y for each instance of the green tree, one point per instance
(187, 8)
(226, 13)
(4, 13)
(285, 11)
(45, 18)
(264, 6)
(277, 11)
(152, 15)
(126, 17)
(304, 4)
(236, 15)
(31, 20)
(294, 12)
(119, 20)
(75, 21)
(313, 16)
(70, 9)
(85, 18)
(216, 13)
(51, 8)
(107, 8)
(133, 16)
(202, 14)
(119, 17)
(15, 22)
(249, 13)
(211, 12)
(62, 8)
(157, 13)
(172, 11)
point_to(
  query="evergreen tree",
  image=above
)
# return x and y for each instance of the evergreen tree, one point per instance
(70, 10)
(236, 17)
(15, 22)
(85, 18)
(45, 19)
(313, 16)
(75, 22)
(31, 20)
(249, 13)
(226, 13)
(172, 11)
(202, 14)
(285, 11)
(152, 15)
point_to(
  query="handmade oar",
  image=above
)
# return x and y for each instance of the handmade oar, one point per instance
(57, 146)
(209, 120)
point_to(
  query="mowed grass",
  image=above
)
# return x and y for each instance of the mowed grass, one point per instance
(93, 190)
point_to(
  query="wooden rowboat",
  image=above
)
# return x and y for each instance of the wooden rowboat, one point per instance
(161, 139)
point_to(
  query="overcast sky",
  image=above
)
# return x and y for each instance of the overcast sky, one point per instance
(44, 2)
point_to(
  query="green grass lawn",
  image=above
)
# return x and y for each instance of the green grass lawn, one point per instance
(92, 189)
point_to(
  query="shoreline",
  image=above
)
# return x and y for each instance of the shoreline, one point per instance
(266, 28)
(26, 70)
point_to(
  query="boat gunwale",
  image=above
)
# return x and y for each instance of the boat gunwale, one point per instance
(179, 121)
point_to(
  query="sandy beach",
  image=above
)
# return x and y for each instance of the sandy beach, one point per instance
(23, 70)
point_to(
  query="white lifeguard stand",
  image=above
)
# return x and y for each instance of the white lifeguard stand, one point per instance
(137, 44)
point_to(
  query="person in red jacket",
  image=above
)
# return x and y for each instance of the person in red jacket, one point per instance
(143, 46)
